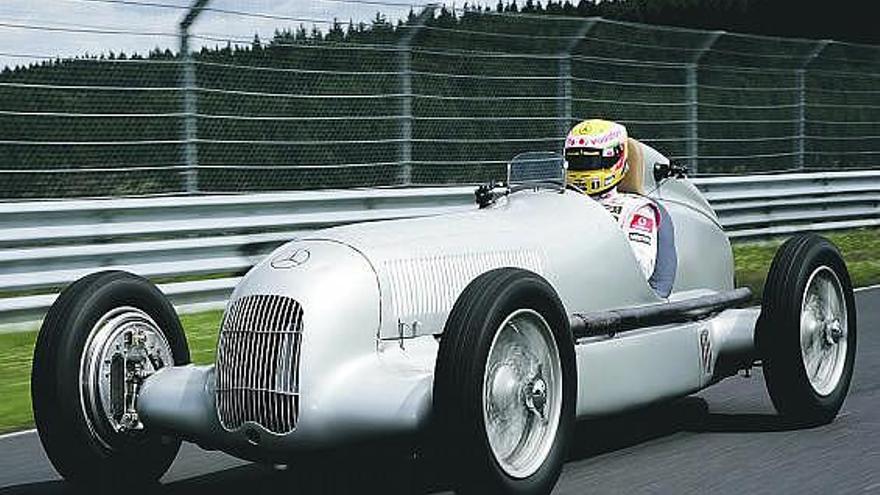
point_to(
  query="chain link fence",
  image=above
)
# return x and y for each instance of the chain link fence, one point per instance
(445, 96)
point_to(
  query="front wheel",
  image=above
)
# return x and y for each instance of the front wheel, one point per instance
(806, 334)
(105, 334)
(505, 385)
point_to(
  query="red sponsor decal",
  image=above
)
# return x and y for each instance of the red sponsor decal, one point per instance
(643, 223)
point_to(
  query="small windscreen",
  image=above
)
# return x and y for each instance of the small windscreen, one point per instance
(537, 167)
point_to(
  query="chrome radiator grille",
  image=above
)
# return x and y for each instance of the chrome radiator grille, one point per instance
(258, 363)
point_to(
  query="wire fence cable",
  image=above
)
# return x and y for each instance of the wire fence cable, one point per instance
(444, 96)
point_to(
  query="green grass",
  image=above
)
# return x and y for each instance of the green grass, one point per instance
(201, 334)
(16, 350)
(861, 248)
(15, 380)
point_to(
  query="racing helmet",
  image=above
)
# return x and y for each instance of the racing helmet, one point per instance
(596, 151)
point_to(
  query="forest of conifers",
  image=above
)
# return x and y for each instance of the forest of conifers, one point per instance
(257, 132)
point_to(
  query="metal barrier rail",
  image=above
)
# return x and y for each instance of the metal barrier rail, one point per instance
(768, 205)
(46, 245)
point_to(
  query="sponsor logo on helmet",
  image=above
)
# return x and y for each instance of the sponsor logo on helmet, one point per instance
(601, 141)
(596, 134)
(590, 127)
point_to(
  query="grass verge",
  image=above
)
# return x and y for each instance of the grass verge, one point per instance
(861, 248)
(16, 350)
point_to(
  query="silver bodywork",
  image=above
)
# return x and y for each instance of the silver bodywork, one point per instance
(375, 298)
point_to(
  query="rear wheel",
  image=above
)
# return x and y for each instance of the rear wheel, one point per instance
(505, 385)
(104, 335)
(807, 330)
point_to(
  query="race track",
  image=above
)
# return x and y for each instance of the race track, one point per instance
(726, 440)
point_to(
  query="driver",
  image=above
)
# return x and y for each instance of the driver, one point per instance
(596, 152)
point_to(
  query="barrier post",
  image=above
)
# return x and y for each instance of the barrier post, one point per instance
(406, 112)
(693, 101)
(190, 103)
(564, 104)
(801, 85)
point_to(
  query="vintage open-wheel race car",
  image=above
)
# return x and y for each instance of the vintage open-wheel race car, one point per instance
(492, 330)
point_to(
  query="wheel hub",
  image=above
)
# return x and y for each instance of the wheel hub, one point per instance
(833, 332)
(124, 348)
(536, 396)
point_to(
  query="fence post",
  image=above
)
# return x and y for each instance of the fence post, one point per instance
(693, 101)
(801, 85)
(190, 104)
(564, 104)
(406, 113)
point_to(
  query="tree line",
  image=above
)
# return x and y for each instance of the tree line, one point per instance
(253, 140)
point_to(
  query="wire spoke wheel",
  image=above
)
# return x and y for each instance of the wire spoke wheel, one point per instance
(807, 331)
(522, 393)
(823, 330)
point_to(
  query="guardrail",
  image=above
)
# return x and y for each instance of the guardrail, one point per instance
(46, 245)
(768, 205)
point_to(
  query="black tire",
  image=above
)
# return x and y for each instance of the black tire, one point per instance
(458, 382)
(778, 332)
(72, 447)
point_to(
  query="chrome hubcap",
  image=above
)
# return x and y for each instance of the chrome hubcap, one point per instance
(522, 393)
(823, 330)
(124, 347)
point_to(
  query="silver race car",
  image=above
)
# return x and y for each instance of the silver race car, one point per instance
(487, 333)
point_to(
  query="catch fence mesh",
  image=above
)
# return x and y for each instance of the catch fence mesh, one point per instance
(445, 96)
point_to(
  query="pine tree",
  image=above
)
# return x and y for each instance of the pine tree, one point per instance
(335, 34)
(301, 33)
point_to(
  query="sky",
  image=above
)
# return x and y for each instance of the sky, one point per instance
(18, 43)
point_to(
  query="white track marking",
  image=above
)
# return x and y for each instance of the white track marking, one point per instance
(870, 287)
(16, 434)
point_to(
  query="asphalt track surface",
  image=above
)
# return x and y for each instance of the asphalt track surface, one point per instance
(724, 440)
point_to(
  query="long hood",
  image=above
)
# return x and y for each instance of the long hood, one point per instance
(423, 264)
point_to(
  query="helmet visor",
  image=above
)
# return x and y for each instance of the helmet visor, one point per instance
(587, 159)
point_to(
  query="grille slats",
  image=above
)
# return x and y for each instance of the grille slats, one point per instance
(258, 363)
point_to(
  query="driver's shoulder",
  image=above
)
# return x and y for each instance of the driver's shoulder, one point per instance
(636, 203)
